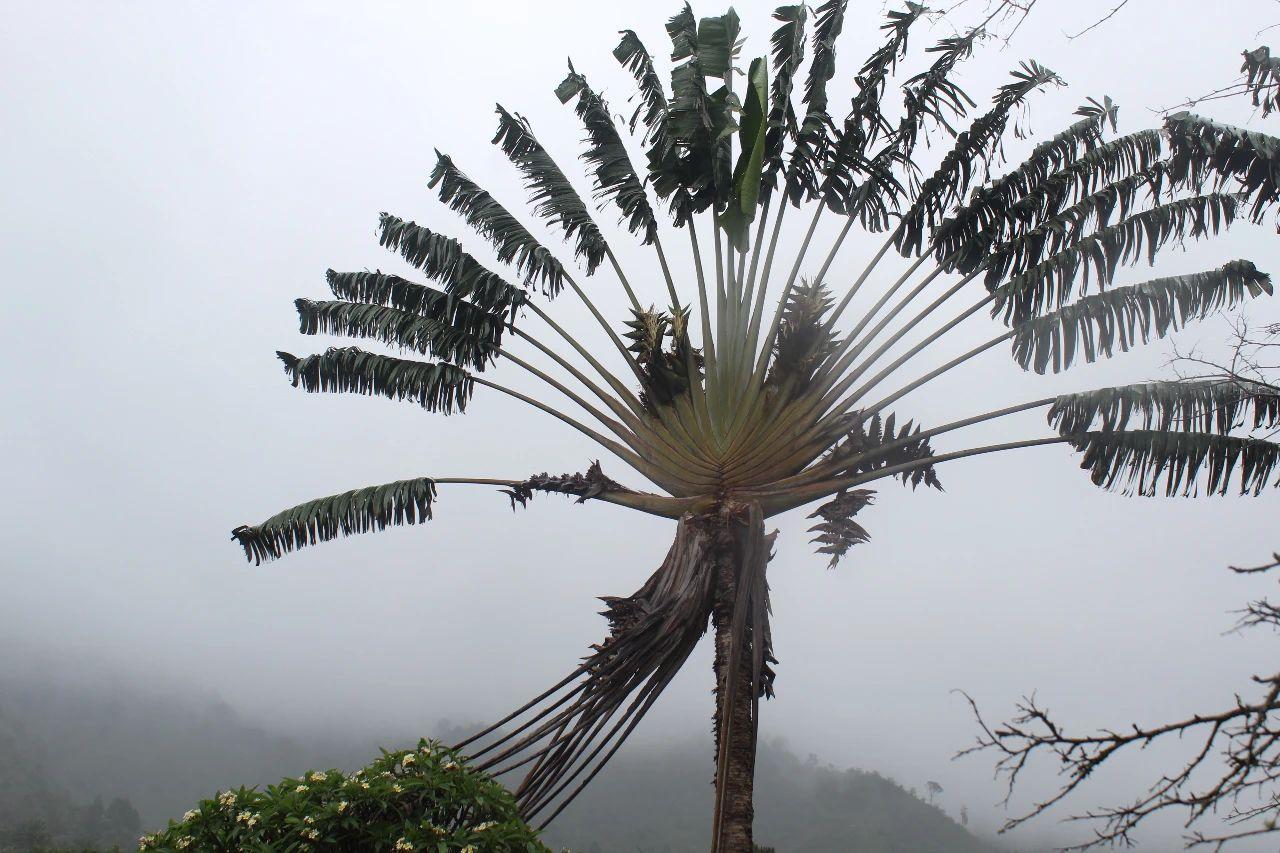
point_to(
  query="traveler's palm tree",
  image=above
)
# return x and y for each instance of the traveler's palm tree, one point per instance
(757, 391)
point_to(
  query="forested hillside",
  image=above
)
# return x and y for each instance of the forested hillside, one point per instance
(66, 750)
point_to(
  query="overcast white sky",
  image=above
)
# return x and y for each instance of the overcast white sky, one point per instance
(175, 174)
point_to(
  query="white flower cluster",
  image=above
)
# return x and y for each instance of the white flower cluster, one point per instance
(311, 834)
(249, 819)
(403, 844)
(408, 759)
(318, 776)
(488, 824)
(227, 799)
(190, 814)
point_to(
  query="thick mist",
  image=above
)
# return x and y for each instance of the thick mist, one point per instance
(176, 174)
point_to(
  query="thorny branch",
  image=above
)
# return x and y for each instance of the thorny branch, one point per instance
(1235, 768)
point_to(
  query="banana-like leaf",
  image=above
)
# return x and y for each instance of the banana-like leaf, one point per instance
(1201, 405)
(1052, 235)
(552, 196)
(953, 177)
(848, 171)
(438, 256)
(984, 219)
(1051, 282)
(1124, 316)
(615, 176)
(838, 532)
(1205, 151)
(741, 209)
(932, 95)
(788, 53)
(514, 243)
(436, 386)
(1136, 461)
(652, 111)
(357, 511)
(1262, 79)
(809, 150)
(476, 347)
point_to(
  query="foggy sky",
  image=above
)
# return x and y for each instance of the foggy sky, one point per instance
(175, 174)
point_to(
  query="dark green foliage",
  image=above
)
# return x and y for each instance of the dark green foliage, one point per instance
(660, 343)
(932, 95)
(1051, 282)
(787, 46)
(441, 258)
(810, 144)
(1124, 316)
(1136, 461)
(989, 214)
(1206, 152)
(854, 184)
(1205, 405)
(436, 386)
(1055, 233)
(420, 799)
(410, 331)
(633, 56)
(615, 177)
(513, 242)
(552, 196)
(838, 532)
(320, 520)
(972, 147)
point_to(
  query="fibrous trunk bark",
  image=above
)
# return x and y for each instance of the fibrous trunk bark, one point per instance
(742, 668)
(714, 572)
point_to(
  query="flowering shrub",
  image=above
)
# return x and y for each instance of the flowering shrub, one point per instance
(425, 799)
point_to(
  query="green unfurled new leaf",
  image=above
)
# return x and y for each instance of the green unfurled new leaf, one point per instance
(473, 341)
(1136, 461)
(437, 387)
(1124, 316)
(513, 242)
(552, 196)
(357, 511)
(1050, 283)
(1205, 151)
(741, 210)
(615, 176)
(1201, 405)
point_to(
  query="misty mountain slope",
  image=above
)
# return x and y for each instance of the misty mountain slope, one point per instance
(657, 801)
(166, 751)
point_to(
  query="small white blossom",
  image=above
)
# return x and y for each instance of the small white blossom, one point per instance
(184, 843)
(310, 833)
(343, 806)
(190, 814)
(364, 785)
(404, 844)
(408, 759)
(488, 824)
(300, 789)
(396, 787)
(450, 765)
(319, 776)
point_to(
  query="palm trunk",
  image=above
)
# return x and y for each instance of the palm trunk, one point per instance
(741, 665)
